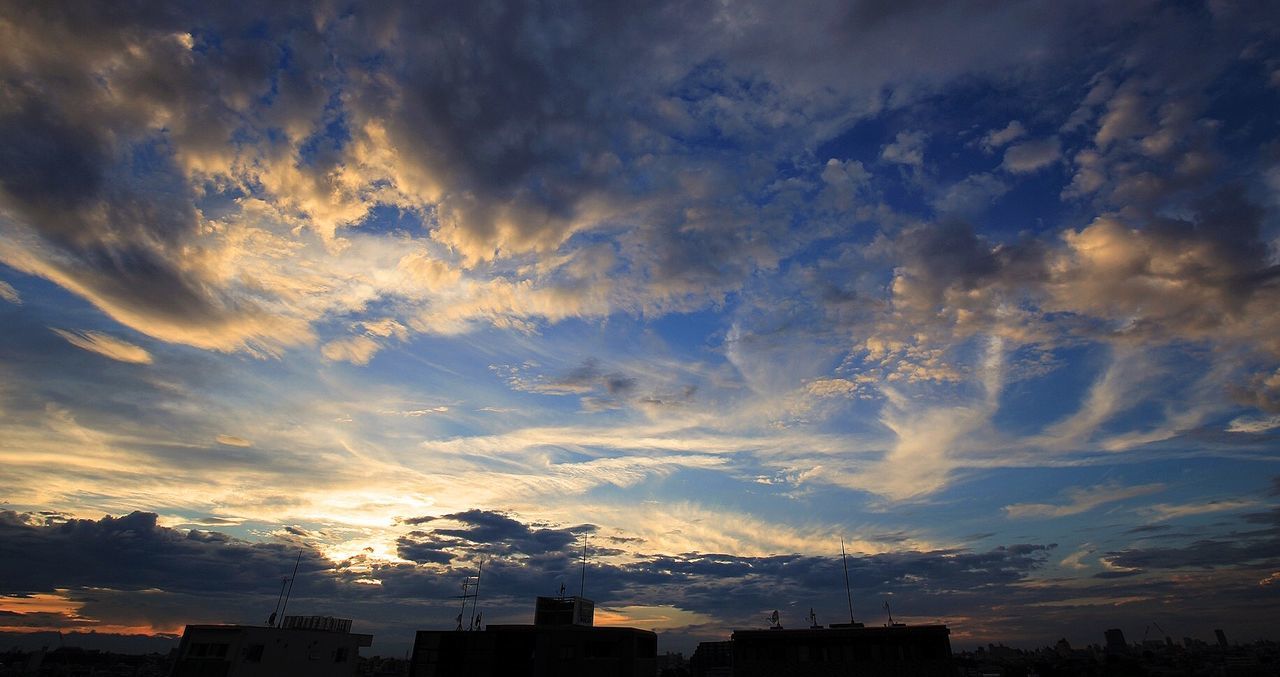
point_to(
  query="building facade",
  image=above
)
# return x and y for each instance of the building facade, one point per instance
(318, 646)
(898, 651)
(562, 642)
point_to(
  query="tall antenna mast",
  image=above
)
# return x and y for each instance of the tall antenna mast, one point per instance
(466, 585)
(475, 597)
(582, 584)
(847, 595)
(271, 621)
(289, 594)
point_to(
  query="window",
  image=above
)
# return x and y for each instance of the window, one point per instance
(253, 653)
(340, 655)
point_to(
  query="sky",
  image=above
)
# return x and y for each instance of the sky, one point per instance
(987, 290)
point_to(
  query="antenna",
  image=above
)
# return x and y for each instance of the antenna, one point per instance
(466, 595)
(890, 612)
(582, 584)
(271, 621)
(847, 595)
(290, 592)
(475, 596)
(773, 618)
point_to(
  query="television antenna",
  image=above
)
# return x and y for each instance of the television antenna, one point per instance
(582, 584)
(475, 597)
(289, 594)
(470, 592)
(890, 612)
(271, 620)
(844, 559)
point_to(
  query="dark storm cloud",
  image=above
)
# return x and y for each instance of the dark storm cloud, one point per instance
(485, 531)
(227, 578)
(133, 552)
(423, 547)
(1258, 547)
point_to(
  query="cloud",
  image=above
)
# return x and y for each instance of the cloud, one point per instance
(1167, 511)
(485, 531)
(233, 441)
(106, 345)
(998, 138)
(1239, 548)
(1081, 500)
(8, 293)
(357, 350)
(907, 149)
(971, 195)
(132, 552)
(1031, 156)
(1253, 424)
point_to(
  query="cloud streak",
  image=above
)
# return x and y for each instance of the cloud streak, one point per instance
(106, 345)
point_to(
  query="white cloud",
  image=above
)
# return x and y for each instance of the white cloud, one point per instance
(8, 293)
(357, 350)
(1081, 499)
(1167, 511)
(106, 345)
(233, 441)
(906, 149)
(999, 137)
(1253, 424)
(1028, 157)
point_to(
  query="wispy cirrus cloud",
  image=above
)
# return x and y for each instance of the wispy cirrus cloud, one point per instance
(1080, 500)
(8, 293)
(105, 345)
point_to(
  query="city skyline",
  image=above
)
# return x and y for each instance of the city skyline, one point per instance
(988, 291)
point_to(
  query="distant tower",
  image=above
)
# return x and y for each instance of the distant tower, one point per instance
(1115, 641)
(1222, 638)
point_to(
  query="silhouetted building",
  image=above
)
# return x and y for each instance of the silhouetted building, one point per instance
(899, 650)
(564, 611)
(319, 646)
(1115, 641)
(562, 642)
(712, 659)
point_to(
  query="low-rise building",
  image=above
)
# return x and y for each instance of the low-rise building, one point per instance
(898, 650)
(317, 646)
(562, 641)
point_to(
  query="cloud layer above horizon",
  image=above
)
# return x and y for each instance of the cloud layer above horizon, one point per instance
(989, 291)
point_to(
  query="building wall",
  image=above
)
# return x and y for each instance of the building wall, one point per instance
(248, 651)
(900, 651)
(536, 651)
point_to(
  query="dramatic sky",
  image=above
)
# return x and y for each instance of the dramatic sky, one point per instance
(987, 289)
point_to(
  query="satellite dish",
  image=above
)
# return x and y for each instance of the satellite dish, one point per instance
(773, 618)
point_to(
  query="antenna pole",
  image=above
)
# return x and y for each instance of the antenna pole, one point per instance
(582, 584)
(847, 595)
(272, 620)
(290, 593)
(475, 600)
(466, 584)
